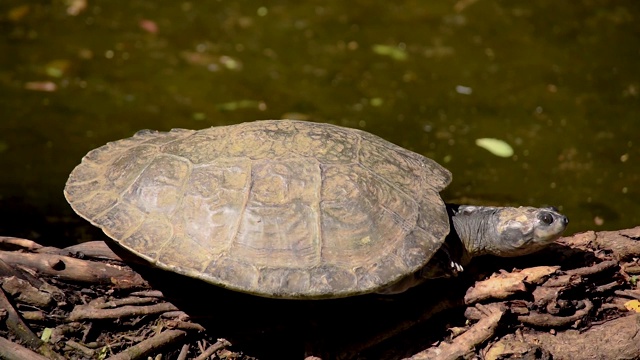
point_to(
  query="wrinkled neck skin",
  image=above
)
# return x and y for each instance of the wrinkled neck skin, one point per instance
(486, 230)
(470, 228)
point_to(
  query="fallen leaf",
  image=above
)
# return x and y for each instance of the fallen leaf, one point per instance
(633, 305)
(495, 146)
(241, 104)
(57, 68)
(46, 334)
(393, 52)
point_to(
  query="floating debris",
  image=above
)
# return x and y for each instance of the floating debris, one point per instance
(464, 90)
(211, 62)
(18, 13)
(149, 26)
(262, 11)
(394, 52)
(242, 104)
(230, 63)
(598, 220)
(57, 68)
(296, 116)
(376, 102)
(47, 86)
(75, 7)
(463, 4)
(199, 116)
(495, 146)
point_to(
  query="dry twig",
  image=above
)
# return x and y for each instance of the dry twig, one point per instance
(90, 312)
(221, 343)
(150, 345)
(466, 343)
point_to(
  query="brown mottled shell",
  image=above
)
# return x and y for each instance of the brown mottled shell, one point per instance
(276, 208)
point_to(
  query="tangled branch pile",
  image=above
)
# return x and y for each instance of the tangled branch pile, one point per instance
(575, 300)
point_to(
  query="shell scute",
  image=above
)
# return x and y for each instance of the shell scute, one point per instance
(276, 208)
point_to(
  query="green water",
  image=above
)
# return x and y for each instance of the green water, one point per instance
(558, 81)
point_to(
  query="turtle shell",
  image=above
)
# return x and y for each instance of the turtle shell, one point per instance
(276, 208)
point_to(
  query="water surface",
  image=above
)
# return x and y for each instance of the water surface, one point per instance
(558, 81)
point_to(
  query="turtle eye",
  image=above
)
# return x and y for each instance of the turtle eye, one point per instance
(546, 218)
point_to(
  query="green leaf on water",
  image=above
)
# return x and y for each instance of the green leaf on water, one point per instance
(376, 102)
(495, 146)
(241, 104)
(393, 52)
(199, 116)
(57, 68)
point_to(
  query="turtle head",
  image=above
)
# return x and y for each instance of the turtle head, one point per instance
(525, 230)
(507, 231)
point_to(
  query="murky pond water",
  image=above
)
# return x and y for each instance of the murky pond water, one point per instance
(558, 81)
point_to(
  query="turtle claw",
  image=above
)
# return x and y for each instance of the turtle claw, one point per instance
(456, 268)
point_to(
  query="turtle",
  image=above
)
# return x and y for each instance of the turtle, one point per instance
(293, 209)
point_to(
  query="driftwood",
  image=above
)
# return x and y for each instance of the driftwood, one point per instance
(20, 329)
(17, 271)
(577, 299)
(72, 269)
(12, 351)
(558, 307)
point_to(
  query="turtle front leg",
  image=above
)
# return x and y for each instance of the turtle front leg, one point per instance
(441, 265)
